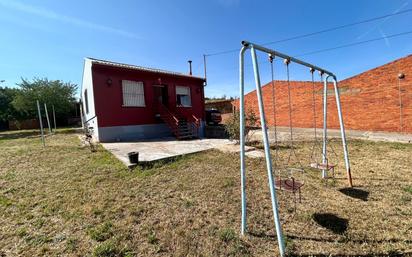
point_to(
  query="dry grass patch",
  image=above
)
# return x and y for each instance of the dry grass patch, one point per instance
(63, 200)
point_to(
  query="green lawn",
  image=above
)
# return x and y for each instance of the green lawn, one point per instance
(63, 200)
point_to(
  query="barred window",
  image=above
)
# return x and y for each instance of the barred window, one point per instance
(133, 93)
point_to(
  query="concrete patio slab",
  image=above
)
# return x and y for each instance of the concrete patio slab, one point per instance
(257, 154)
(161, 149)
(234, 148)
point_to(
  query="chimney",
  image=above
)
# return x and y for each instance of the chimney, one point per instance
(190, 67)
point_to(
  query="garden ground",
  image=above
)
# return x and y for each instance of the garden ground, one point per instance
(63, 200)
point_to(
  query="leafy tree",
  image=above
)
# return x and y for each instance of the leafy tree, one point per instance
(7, 110)
(52, 92)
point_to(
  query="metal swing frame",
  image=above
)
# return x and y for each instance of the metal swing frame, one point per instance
(253, 48)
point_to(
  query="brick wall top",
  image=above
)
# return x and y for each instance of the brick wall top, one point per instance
(374, 100)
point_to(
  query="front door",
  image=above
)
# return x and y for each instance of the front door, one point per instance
(160, 95)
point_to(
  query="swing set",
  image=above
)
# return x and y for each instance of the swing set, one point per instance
(288, 183)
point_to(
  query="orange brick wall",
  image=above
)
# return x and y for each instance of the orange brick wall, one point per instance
(370, 100)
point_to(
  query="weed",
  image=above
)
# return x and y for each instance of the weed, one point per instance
(44, 250)
(71, 244)
(97, 212)
(38, 240)
(151, 238)
(102, 232)
(405, 198)
(289, 244)
(228, 183)
(107, 249)
(408, 189)
(10, 175)
(5, 201)
(227, 235)
(21, 232)
(38, 223)
(241, 247)
(188, 203)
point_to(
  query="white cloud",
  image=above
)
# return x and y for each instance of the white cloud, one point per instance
(385, 37)
(378, 26)
(49, 14)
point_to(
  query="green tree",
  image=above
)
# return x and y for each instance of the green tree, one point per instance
(52, 92)
(7, 110)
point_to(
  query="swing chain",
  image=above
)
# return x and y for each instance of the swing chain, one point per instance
(271, 57)
(292, 148)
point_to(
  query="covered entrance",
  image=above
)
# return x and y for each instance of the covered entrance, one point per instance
(160, 95)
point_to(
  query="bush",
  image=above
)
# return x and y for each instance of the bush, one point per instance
(232, 125)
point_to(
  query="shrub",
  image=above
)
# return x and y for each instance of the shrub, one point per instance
(232, 125)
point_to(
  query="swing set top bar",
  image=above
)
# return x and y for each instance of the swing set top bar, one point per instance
(285, 56)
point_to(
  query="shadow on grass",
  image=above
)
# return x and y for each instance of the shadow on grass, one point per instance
(331, 222)
(9, 135)
(355, 193)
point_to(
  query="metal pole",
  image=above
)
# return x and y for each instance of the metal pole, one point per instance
(242, 138)
(325, 125)
(54, 118)
(204, 67)
(285, 56)
(47, 118)
(41, 123)
(342, 131)
(267, 153)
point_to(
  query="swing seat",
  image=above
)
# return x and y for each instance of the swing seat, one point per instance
(290, 185)
(323, 166)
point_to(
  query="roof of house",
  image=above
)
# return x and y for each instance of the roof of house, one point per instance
(141, 68)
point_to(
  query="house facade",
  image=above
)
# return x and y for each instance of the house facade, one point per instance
(379, 99)
(127, 102)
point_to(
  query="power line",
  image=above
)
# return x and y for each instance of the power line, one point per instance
(355, 43)
(346, 45)
(319, 32)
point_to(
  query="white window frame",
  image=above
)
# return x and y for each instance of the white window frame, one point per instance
(129, 91)
(189, 95)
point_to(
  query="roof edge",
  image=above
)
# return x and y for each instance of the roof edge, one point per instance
(140, 68)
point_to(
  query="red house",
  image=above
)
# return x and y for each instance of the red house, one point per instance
(127, 102)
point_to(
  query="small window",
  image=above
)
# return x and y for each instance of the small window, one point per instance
(183, 96)
(133, 93)
(86, 101)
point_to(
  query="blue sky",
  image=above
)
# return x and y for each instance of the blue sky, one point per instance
(50, 38)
